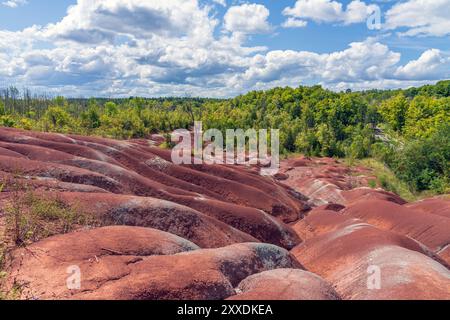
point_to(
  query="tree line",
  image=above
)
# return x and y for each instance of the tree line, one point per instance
(408, 129)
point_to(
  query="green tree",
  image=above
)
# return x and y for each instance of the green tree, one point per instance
(57, 119)
(90, 119)
(424, 162)
(2, 108)
(394, 111)
(111, 109)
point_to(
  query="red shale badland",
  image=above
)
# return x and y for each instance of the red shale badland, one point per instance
(163, 231)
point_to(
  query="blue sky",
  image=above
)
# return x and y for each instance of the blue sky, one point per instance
(220, 48)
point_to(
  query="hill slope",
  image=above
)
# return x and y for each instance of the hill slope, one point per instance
(138, 227)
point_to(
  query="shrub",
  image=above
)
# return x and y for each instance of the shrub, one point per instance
(424, 163)
(31, 217)
(57, 119)
(25, 123)
(7, 121)
(2, 109)
(372, 184)
(440, 185)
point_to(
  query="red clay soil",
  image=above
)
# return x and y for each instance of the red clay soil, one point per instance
(364, 193)
(112, 209)
(320, 221)
(138, 263)
(217, 232)
(326, 181)
(122, 167)
(345, 258)
(429, 229)
(285, 284)
(438, 206)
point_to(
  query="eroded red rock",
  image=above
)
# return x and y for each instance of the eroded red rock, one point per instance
(217, 232)
(61, 163)
(328, 181)
(163, 215)
(364, 194)
(401, 268)
(136, 272)
(285, 284)
(321, 221)
(429, 229)
(438, 206)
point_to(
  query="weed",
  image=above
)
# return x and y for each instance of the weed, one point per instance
(31, 217)
(387, 180)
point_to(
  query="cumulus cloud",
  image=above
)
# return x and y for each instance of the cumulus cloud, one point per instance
(420, 17)
(362, 61)
(330, 11)
(14, 3)
(377, 84)
(93, 47)
(248, 19)
(94, 21)
(427, 67)
(151, 48)
(294, 23)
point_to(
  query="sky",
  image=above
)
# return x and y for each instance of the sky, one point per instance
(220, 48)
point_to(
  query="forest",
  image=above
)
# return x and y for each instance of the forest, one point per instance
(407, 130)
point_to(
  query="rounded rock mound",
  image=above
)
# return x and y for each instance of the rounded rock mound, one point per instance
(285, 284)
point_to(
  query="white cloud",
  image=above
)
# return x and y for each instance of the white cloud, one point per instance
(330, 11)
(357, 12)
(247, 19)
(110, 48)
(420, 17)
(14, 3)
(427, 67)
(294, 23)
(317, 10)
(362, 61)
(97, 21)
(101, 46)
(367, 60)
(377, 84)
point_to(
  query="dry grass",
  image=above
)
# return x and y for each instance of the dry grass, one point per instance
(27, 216)
(387, 180)
(30, 216)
